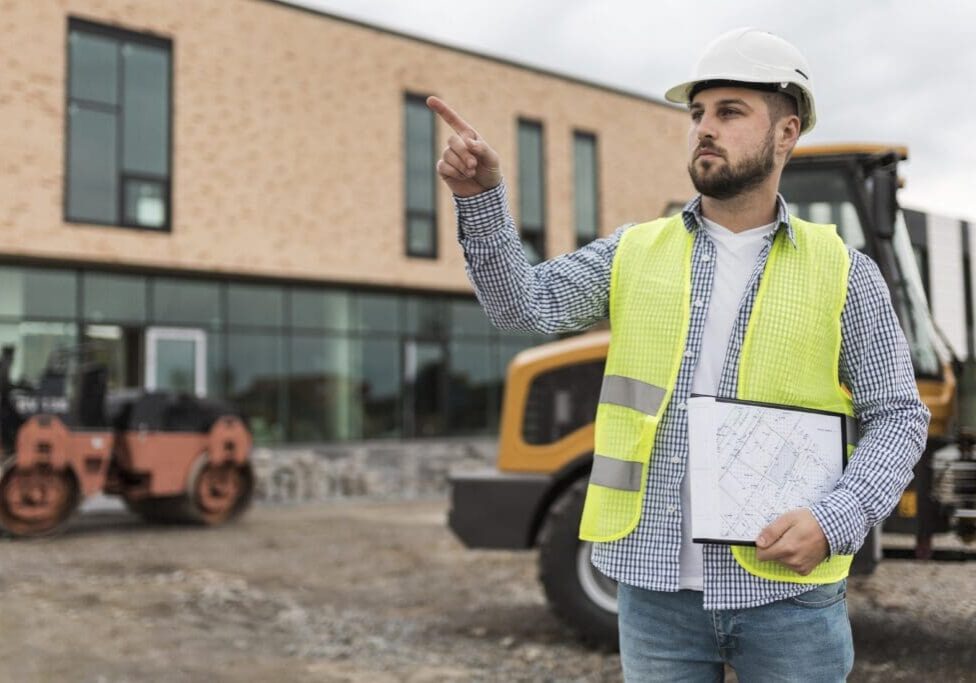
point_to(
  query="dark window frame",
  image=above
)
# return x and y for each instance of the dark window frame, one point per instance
(408, 212)
(120, 35)
(540, 230)
(579, 133)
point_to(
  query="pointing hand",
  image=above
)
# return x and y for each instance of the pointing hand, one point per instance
(468, 165)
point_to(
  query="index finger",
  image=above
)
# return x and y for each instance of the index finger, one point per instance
(450, 117)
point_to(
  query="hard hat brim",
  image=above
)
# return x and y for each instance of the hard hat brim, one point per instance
(681, 94)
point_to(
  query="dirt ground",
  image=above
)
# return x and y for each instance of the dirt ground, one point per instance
(366, 591)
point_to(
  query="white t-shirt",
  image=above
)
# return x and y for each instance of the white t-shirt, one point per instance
(735, 259)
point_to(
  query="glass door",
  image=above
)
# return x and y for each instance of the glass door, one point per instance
(176, 360)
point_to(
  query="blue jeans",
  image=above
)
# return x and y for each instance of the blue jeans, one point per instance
(671, 637)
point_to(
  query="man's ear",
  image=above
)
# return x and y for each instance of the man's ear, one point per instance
(788, 133)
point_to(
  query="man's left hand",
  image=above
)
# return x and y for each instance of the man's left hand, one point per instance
(795, 540)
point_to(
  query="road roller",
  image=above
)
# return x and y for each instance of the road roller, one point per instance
(172, 457)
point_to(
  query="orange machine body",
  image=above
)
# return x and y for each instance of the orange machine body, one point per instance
(53, 468)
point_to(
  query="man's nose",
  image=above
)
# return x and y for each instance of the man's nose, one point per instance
(705, 128)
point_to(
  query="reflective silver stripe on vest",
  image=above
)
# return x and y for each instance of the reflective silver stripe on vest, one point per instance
(852, 431)
(616, 474)
(632, 393)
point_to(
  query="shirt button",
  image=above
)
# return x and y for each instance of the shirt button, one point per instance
(699, 303)
(672, 509)
(706, 258)
(681, 406)
(675, 459)
(689, 354)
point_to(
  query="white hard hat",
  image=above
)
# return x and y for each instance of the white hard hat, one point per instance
(752, 56)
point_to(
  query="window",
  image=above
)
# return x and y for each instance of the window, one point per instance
(426, 315)
(585, 187)
(313, 309)
(379, 376)
(323, 394)
(424, 392)
(917, 223)
(474, 387)
(560, 401)
(922, 261)
(114, 297)
(967, 284)
(421, 215)
(532, 191)
(468, 318)
(33, 343)
(119, 124)
(824, 196)
(176, 301)
(255, 305)
(908, 297)
(257, 383)
(304, 363)
(38, 293)
(375, 312)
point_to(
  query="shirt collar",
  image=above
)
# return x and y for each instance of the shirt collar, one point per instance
(692, 217)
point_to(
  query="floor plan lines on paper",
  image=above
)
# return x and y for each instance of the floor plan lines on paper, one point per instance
(769, 462)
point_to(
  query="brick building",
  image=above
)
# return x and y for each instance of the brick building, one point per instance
(237, 198)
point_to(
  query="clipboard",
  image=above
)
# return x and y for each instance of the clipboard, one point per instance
(750, 461)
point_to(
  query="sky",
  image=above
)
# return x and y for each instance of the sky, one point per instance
(892, 71)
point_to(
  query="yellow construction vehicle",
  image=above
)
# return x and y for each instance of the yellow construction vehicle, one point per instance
(534, 496)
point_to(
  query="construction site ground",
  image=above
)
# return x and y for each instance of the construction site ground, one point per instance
(367, 591)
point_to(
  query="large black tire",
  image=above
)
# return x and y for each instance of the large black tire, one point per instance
(582, 597)
(36, 501)
(191, 508)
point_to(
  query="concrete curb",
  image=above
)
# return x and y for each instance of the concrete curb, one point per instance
(388, 469)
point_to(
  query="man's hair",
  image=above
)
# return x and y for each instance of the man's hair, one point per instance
(780, 104)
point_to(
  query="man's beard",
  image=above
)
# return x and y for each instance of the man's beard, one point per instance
(731, 181)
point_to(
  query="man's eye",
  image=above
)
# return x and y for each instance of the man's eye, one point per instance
(696, 116)
(729, 112)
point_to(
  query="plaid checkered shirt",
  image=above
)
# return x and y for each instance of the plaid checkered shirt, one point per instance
(571, 292)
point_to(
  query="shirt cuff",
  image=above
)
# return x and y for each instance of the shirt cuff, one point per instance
(840, 517)
(482, 214)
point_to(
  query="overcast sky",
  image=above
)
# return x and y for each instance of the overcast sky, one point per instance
(897, 71)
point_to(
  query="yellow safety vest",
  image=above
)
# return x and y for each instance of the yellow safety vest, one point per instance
(789, 356)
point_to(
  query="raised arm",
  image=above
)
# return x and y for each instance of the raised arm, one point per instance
(565, 294)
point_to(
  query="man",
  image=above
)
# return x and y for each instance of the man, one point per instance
(733, 297)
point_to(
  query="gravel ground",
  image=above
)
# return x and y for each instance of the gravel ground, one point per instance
(366, 591)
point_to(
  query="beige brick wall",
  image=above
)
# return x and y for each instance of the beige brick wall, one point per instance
(288, 142)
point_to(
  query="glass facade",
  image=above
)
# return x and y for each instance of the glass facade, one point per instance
(532, 190)
(421, 181)
(118, 110)
(306, 364)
